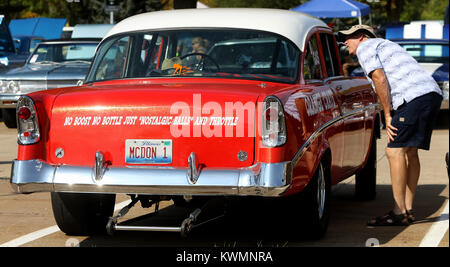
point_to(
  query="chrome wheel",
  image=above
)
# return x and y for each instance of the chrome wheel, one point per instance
(315, 206)
(321, 191)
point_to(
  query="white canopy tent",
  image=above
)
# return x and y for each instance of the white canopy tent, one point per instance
(201, 5)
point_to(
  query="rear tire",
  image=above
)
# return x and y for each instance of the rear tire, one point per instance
(366, 178)
(312, 205)
(179, 201)
(82, 213)
(9, 117)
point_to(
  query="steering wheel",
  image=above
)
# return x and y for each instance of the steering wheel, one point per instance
(201, 63)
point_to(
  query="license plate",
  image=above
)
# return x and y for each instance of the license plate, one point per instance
(148, 151)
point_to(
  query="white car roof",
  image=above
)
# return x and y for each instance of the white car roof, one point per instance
(290, 24)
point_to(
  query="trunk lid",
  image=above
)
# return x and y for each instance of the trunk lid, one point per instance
(155, 124)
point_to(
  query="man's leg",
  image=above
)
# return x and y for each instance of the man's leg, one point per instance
(413, 165)
(399, 177)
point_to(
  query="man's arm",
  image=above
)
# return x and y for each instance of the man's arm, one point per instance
(382, 88)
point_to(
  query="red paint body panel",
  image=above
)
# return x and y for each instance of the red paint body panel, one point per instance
(103, 115)
(152, 108)
(135, 98)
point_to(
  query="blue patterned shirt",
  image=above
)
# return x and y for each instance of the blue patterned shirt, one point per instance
(407, 79)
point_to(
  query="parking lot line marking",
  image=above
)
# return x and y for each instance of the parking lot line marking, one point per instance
(121, 205)
(437, 230)
(46, 231)
(31, 237)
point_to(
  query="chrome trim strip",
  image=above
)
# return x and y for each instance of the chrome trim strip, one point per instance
(261, 179)
(325, 126)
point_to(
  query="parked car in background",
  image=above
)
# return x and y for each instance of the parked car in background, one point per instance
(8, 54)
(25, 35)
(25, 44)
(53, 64)
(275, 118)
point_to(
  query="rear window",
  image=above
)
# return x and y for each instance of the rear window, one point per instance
(428, 53)
(237, 54)
(47, 53)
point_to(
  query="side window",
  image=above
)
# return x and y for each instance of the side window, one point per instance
(140, 56)
(329, 52)
(33, 44)
(311, 67)
(157, 54)
(112, 65)
(40, 54)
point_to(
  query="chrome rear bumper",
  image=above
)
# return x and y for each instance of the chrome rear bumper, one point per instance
(9, 101)
(261, 179)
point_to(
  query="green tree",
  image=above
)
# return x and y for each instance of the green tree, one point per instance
(424, 10)
(386, 11)
(382, 11)
(92, 11)
(11, 9)
(128, 8)
(78, 11)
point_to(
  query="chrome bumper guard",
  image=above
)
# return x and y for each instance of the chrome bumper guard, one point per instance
(261, 179)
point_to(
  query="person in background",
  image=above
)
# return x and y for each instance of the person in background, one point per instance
(199, 45)
(349, 65)
(413, 98)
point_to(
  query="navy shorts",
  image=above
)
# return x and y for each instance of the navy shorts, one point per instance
(415, 121)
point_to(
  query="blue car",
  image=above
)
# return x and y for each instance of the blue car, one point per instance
(25, 45)
(8, 55)
(53, 64)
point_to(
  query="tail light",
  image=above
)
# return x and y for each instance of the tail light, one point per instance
(273, 123)
(27, 121)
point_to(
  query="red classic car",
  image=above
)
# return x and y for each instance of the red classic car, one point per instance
(201, 103)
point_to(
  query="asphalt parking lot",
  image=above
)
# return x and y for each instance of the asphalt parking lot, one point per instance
(27, 220)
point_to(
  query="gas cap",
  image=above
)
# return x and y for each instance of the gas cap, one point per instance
(59, 153)
(242, 155)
